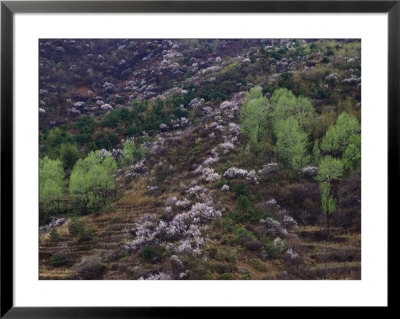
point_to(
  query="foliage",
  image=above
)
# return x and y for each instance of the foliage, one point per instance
(242, 235)
(245, 211)
(352, 152)
(54, 234)
(131, 153)
(329, 169)
(291, 144)
(51, 184)
(76, 226)
(57, 260)
(286, 105)
(85, 124)
(92, 181)
(316, 153)
(241, 189)
(254, 116)
(225, 276)
(257, 264)
(68, 154)
(328, 203)
(337, 137)
(272, 250)
(148, 252)
(54, 138)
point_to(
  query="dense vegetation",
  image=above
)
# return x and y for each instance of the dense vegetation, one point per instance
(211, 159)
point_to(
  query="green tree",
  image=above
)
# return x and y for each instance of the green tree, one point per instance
(68, 155)
(131, 153)
(286, 104)
(92, 181)
(337, 137)
(346, 126)
(291, 143)
(329, 141)
(316, 153)
(329, 169)
(254, 116)
(51, 183)
(352, 153)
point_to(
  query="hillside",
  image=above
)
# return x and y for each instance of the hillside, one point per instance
(200, 159)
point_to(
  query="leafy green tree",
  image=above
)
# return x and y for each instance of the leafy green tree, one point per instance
(352, 153)
(337, 137)
(346, 126)
(57, 136)
(92, 181)
(329, 141)
(329, 169)
(291, 143)
(68, 155)
(254, 93)
(51, 183)
(131, 153)
(286, 104)
(316, 153)
(254, 116)
(85, 124)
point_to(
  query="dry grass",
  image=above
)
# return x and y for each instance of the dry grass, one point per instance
(53, 273)
(62, 231)
(136, 195)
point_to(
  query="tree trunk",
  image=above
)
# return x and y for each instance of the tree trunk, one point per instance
(328, 226)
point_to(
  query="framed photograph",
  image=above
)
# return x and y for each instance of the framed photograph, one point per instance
(160, 155)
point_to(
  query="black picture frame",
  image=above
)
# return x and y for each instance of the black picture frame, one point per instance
(9, 8)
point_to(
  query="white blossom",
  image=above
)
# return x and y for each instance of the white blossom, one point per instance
(234, 172)
(225, 188)
(252, 177)
(209, 175)
(158, 276)
(292, 255)
(289, 222)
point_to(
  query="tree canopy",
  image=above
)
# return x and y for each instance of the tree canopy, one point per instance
(329, 169)
(286, 104)
(337, 137)
(92, 179)
(51, 183)
(291, 143)
(131, 152)
(254, 115)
